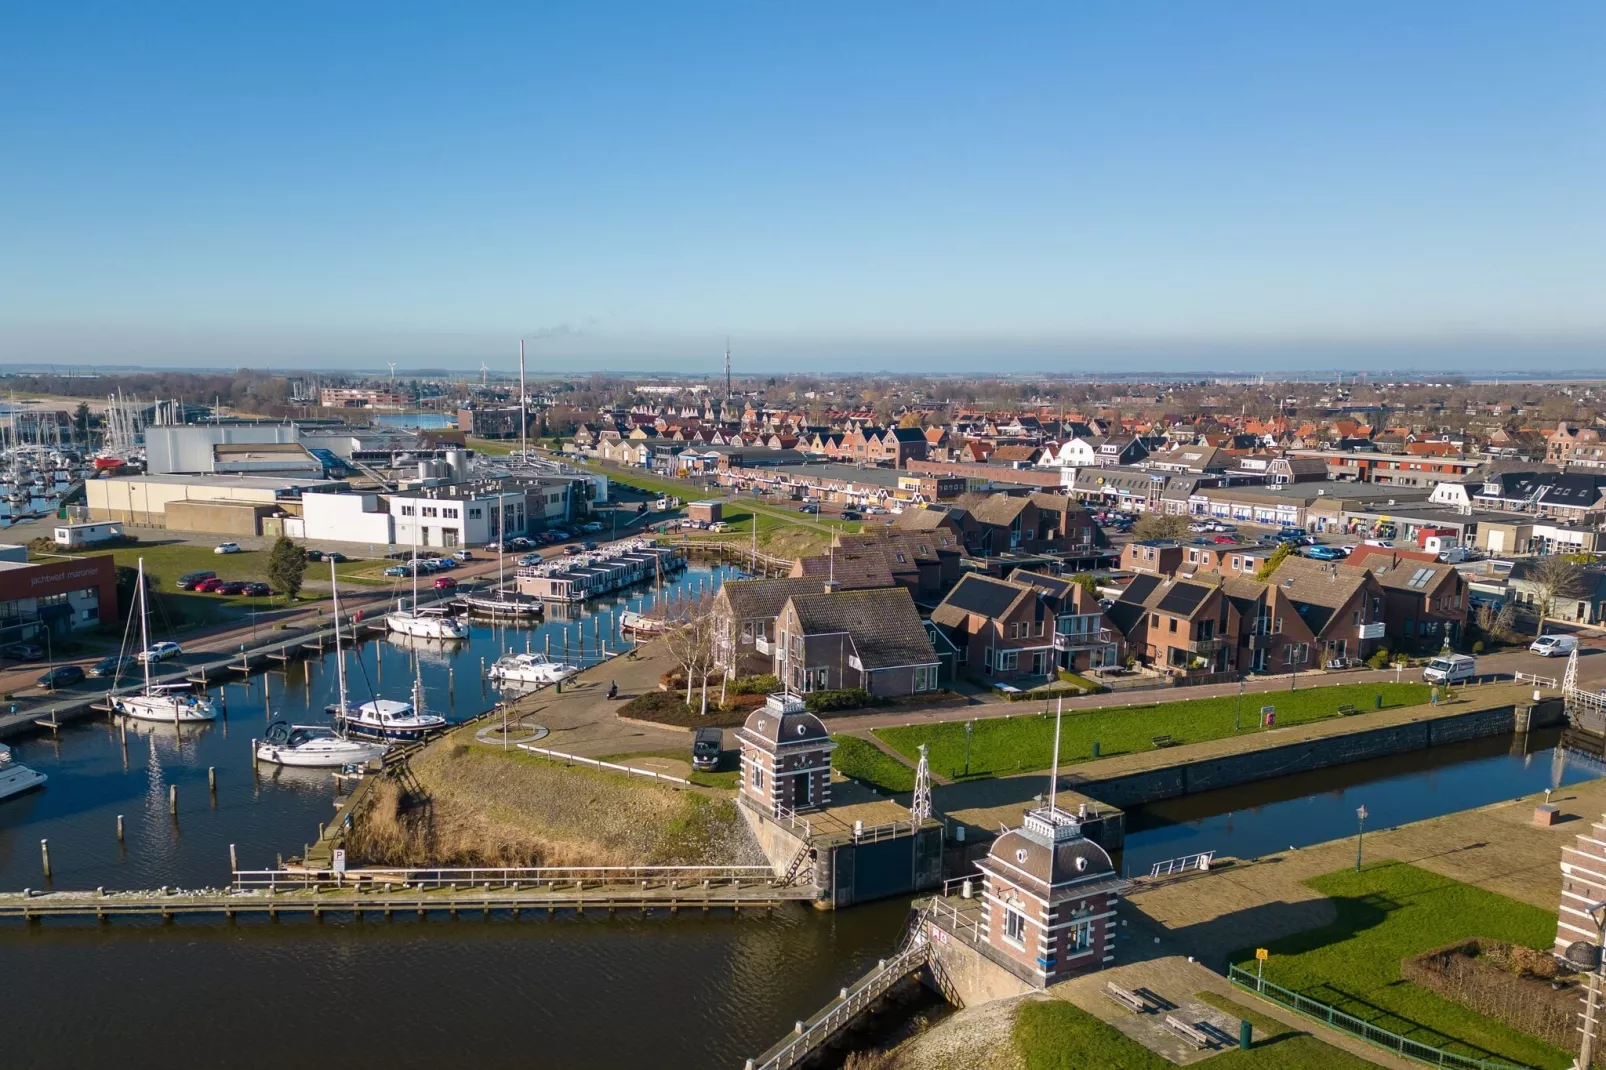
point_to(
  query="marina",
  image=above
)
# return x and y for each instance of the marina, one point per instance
(596, 573)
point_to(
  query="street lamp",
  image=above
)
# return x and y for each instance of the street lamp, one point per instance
(1360, 834)
(970, 726)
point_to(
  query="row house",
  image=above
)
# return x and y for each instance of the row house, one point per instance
(1163, 557)
(1426, 604)
(1026, 626)
(1572, 496)
(1030, 524)
(868, 639)
(1394, 469)
(1574, 446)
(744, 613)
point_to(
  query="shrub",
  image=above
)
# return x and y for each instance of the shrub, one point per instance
(1379, 659)
(669, 707)
(765, 684)
(1477, 647)
(851, 698)
(1515, 985)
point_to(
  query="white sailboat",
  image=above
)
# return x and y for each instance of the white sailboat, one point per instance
(501, 605)
(16, 778)
(431, 623)
(531, 668)
(380, 718)
(173, 703)
(315, 746)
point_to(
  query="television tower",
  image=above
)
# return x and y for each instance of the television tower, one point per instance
(727, 367)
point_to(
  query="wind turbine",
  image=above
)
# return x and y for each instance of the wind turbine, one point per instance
(483, 372)
(392, 365)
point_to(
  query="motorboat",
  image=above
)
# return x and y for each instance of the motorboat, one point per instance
(384, 718)
(378, 718)
(530, 668)
(317, 746)
(640, 623)
(16, 778)
(174, 703)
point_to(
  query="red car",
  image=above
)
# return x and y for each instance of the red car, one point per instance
(231, 587)
(1224, 540)
(208, 585)
(445, 583)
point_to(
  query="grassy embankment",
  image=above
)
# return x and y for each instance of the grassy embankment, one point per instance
(864, 761)
(1001, 746)
(1391, 911)
(493, 807)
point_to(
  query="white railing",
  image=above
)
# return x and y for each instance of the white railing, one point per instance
(849, 1004)
(1078, 640)
(953, 920)
(1200, 861)
(560, 756)
(424, 878)
(1541, 681)
(875, 833)
(762, 645)
(794, 822)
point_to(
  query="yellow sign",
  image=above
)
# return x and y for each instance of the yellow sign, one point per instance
(1262, 954)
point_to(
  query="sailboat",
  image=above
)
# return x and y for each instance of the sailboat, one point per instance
(502, 605)
(381, 718)
(174, 703)
(426, 623)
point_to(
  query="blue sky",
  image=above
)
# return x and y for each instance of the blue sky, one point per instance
(939, 186)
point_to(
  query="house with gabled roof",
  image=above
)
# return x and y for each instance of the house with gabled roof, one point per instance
(1425, 601)
(869, 639)
(1025, 626)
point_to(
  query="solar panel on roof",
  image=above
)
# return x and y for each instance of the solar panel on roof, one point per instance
(1420, 578)
(1183, 599)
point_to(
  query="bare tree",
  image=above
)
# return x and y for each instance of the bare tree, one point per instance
(690, 636)
(1157, 526)
(1553, 578)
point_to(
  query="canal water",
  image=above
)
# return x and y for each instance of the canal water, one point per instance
(1297, 811)
(688, 992)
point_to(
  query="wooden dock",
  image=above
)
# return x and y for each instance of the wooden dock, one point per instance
(387, 892)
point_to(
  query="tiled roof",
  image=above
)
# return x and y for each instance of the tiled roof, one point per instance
(981, 595)
(751, 599)
(884, 625)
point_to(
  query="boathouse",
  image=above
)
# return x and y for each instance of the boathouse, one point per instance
(1048, 897)
(786, 757)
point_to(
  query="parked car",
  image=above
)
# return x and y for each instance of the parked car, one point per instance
(209, 585)
(808, 507)
(530, 559)
(113, 665)
(519, 542)
(445, 583)
(1224, 540)
(851, 514)
(592, 527)
(398, 570)
(159, 652)
(61, 676)
(705, 748)
(258, 590)
(188, 581)
(22, 651)
(226, 548)
(464, 555)
(232, 587)
(1387, 544)
(336, 556)
(314, 555)
(1325, 553)
(1547, 646)
(571, 549)
(560, 534)
(588, 545)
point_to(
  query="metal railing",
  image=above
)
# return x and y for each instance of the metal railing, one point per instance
(956, 921)
(1080, 640)
(793, 821)
(849, 1004)
(1542, 681)
(560, 756)
(1170, 866)
(875, 833)
(1356, 1027)
(425, 878)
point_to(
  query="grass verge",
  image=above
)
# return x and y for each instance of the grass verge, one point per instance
(1293, 1048)
(864, 761)
(1391, 911)
(1025, 743)
(718, 778)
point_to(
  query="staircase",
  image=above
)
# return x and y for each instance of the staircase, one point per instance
(794, 870)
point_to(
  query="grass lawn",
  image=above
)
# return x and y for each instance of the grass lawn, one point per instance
(490, 447)
(863, 761)
(1025, 743)
(739, 512)
(726, 778)
(1056, 1035)
(1391, 911)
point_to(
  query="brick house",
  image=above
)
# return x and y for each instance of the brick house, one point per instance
(1309, 614)
(1164, 557)
(896, 446)
(1183, 626)
(1030, 524)
(1049, 897)
(871, 639)
(744, 615)
(1426, 602)
(786, 757)
(1028, 625)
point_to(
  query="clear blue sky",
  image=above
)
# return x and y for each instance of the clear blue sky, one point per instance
(836, 185)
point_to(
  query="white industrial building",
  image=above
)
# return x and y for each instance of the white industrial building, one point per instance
(233, 449)
(457, 514)
(346, 517)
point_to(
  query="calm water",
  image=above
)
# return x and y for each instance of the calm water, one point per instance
(592, 992)
(1298, 811)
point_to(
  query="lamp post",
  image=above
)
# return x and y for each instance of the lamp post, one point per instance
(1238, 714)
(1360, 834)
(970, 726)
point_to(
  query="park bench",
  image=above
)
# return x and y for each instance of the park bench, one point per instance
(1194, 1036)
(1130, 1000)
(1346, 711)
(1164, 741)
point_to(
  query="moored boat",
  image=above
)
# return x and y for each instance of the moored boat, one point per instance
(530, 668)
(316, 746)
(16, 778)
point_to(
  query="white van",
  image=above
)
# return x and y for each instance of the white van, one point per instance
(1450, 669)
(1550, 645)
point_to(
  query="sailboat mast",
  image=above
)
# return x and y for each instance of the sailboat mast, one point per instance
(144, 628)
(340, 659)
(524, 445)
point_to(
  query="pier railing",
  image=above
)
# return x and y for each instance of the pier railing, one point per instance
(1182, 864)
(300, 880)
